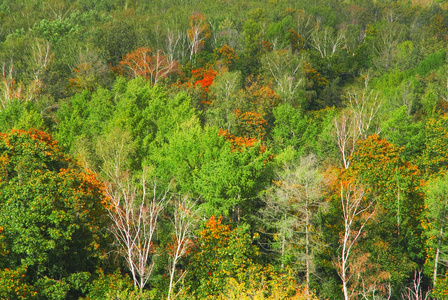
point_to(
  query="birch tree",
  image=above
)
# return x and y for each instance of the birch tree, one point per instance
(134, 211)
(134, 207)
(356, 122)
(198, 33)
(326, 41)
(183, 223)
(286, 71)
(356, 212)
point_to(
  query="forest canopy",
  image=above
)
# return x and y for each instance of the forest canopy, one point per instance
(230, 149)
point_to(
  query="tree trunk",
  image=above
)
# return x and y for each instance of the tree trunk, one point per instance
(436, 259)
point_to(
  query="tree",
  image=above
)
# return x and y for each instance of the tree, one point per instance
(225, 88)
(153, 66)
(198, 33)
(183, 223)
(52, 214)
(291, 206)
(356, 121)
(134, 214)
(403, 131)
(326, 41)
(221, 253)
(287, 71)
(434, 156)
(231, 175)
(436, 218)
(134, 208)
(393, 184)
(356, 212)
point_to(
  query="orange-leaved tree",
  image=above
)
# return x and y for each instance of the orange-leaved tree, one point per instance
(391, 186)
(150, 64)
(225, 57)
(198, 32)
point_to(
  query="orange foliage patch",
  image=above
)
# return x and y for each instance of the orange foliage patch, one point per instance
(314, 77)
(152, 65)
(203, 77)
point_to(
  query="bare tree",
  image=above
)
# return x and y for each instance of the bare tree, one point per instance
(356, 121)
(173, 39)
(326, 42)
(134, 213)
(149, 64)
(286, 70)
(356, 213)
(9, 89)
(134, 206)
(415, 292)
(41, 58)
(370, 291)
(305, 26)
(199, 32)
(183, 221)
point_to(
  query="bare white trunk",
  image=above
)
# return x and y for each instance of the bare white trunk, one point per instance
(353, 209)
(184, 216)
(436, 259)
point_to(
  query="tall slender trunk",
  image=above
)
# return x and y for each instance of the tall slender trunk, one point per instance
(436, 259)
(307, 245)
(283, 244)
(398, 212)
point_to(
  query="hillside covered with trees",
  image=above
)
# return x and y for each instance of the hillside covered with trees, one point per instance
(227, 149)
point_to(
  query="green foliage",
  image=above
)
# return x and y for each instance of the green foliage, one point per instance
(19, 115)
(434, 223)
(431, 62)
(267, 284)
(279, 33)
(52, 213)
(55, 30)
(14, 286)
(402, 131)
(114, 286)
(221, 253)
(394, 186)
(60, 73)
(229, 179)
(434, 157)
(305, 132)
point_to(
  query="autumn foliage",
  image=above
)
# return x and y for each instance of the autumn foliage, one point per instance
(149, 64)
(198, 32)
(225, 57)
(221, 253)
(203, 77)
(52, 212)
(201, 80)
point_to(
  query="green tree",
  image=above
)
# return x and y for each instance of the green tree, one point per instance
(52, 213)
(393, 184)
(220, 253)
(231, 176)
(435, 221)
(225, 88)
(291, 207)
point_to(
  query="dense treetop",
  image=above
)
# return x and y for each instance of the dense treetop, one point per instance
(223, 149)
